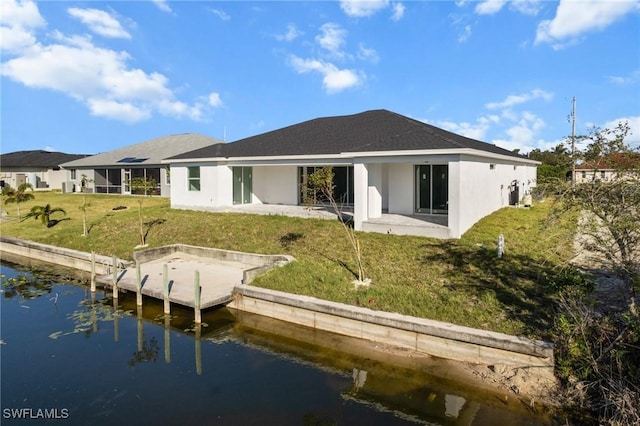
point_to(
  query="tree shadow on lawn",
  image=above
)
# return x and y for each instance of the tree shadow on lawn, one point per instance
(518, 282)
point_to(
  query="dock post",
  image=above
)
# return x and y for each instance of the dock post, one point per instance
(167, 339)
(115, 277)
(93, 271)
(196, 300)
(198, 349)
(138, 285)
(140, 328)
(116, 328)
(165, 292)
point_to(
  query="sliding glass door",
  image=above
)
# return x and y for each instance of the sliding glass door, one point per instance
(242, 185)
(432, 189)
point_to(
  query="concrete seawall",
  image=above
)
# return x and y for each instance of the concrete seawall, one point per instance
(69, 258)
(435, 338)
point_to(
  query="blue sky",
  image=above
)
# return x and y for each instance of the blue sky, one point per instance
(91, 76)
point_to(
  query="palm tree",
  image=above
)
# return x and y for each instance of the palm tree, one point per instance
(17, 196)
(44, 214)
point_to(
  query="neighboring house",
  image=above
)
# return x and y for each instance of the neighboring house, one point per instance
(398, 175)
(610, 167)
(39, 168)
(111, 172)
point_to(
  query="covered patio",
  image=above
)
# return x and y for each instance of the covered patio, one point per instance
(425, 225)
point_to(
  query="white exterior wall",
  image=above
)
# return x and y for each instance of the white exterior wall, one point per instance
(483, 190)
(216, 187)
(275, 185)
(41, 179)
(401, 188)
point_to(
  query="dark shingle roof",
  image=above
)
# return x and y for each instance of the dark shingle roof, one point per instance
(38, 158)
(370, 131)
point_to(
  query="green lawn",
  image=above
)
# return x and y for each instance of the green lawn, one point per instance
(460, 281)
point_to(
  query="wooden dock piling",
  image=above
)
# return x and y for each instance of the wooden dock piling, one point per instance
(93, 271)
(115, 277)
(138, 285)
(167, 339)
(165, 292)
(196, 301)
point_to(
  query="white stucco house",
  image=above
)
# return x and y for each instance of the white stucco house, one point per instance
(39, 168)
(111, 172)
(397, 174)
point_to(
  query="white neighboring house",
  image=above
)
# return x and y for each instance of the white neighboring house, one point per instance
(38, 167)
(111, 172)
(398, 174)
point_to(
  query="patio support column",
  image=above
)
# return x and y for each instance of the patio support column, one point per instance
(374, 209)
(456, 203)
(361, 195)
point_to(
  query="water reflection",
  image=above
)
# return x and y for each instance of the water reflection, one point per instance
(237, 366)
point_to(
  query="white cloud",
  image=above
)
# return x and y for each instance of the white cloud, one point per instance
(362, 8)
(220, 14)
(522, 135)
(633, 138)
(466, 33)
(99, 78)
(334, 79)
(100, 22)
(367, 54)
(526, 7)
(512, 100)
(215, 100)
(575, 18)
(476, 130)
(489, 7)
(398, 11)
(332, 38)
(121, 111)
(291, 34)
(18, 21)
(622, 80)
(162, 5)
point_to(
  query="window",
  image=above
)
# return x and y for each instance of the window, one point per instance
(584, 175)
(73, 174)
(602, 174)
(194, 178)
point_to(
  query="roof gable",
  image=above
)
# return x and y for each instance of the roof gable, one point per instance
(370, 131)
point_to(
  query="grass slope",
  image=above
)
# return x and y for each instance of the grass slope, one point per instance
(459, 281)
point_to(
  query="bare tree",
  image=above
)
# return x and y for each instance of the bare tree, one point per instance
(320, 183)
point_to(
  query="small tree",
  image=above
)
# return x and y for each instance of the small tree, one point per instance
(83, 207)
(321, 183)
(44, 214)
(144, 186)
(18, 195)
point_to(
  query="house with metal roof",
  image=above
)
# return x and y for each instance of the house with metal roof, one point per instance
(111, 172)
(39, 168)
(395, 174)
(620, 165)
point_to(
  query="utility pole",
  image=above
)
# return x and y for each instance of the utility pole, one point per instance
(573, 142)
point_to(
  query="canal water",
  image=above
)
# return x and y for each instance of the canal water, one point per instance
(68, 356)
